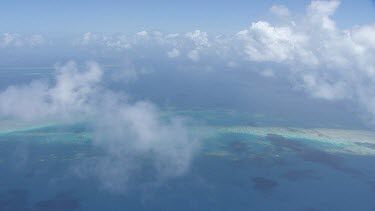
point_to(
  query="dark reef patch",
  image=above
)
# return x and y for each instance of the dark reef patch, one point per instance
(367, 145)
(267, 160)
(237, 146)
(18, 199)
(240, 163)
(295, 175)
(263, 184)
(309, 154)
(61, 202)
(15, 199)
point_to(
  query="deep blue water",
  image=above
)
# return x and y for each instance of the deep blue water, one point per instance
(256, 173)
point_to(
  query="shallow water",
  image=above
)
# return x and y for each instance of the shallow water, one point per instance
(231, 171)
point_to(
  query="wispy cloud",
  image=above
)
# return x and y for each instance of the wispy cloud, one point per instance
(280, 10)
(124, 132)
(17, 40)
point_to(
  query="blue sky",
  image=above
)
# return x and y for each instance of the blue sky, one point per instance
(219, 17)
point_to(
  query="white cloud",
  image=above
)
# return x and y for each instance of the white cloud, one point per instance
(35, 40)
(232, 64)
(68, 97)
(280, 10)
(323, 89)
(88, 37)
(320, 12)
(192, 43)
(327, 62)
(142, 34)
(112, 42)
(173, 53)
(199, 38)
(17, 40)
(200, 42)
(364, 35)
(133, 131)
(172, 36)
(193, 55)
(268, 73)
(123, 131)
(320, 58)
(264, 42)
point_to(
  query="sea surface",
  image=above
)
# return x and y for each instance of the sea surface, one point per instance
(247, 159)
(236, 168)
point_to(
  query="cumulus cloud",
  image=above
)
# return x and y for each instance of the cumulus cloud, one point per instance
(318, 57)
(364, 35)
(173, 53)
(199, 38)
(193, 55)
(327, 62)
(17, 40)
(67, 98)
(264, 42)
(124, 132)
(125, 42)
(173, 44)
(280, 10)
(200, 41)
(142, 34)
(96, 39)
(320, 12)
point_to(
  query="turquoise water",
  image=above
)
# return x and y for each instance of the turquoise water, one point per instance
(231, 171)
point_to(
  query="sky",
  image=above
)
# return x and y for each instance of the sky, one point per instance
(219, 17)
